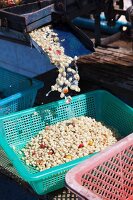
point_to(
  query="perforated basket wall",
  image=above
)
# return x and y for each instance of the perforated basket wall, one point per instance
(16, 92)
(108, 175)
(18, 128)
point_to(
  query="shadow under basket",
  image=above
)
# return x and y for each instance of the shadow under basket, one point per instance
(108, 175)
(17, 92)
(17, 129)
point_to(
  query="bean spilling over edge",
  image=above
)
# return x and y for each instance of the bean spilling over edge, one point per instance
(68, 77)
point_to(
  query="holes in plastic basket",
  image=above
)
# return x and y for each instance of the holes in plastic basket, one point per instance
(45, 114)
(8, 108)
(56, 182)
(26, 126)
(116, 116)
(127, 182)
(130, 148)
(30, 169)
(21, 129)
(106, 178)
(84, 106)
(75, 109)
(125, 160)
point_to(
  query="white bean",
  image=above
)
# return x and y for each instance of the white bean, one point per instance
(66, 140)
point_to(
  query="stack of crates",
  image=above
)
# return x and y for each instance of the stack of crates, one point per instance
(17, 92)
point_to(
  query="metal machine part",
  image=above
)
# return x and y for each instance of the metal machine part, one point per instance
(64, 12)
(70, 9)
(130, 14)
(110, 13)
(130, 18)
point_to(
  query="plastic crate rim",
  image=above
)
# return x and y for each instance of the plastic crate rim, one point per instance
(74, 98)
(70, 179)
(36, 84)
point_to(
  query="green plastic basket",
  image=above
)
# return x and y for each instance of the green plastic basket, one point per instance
(18, 92)
(18, 128)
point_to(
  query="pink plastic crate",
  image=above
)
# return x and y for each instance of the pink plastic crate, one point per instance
(108, 175)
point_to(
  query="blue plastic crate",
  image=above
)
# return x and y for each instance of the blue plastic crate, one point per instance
(17, 92)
